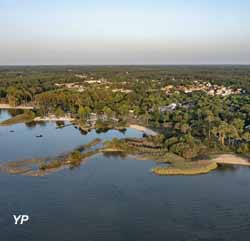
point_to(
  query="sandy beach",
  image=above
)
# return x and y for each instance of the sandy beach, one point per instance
(52, 118)
(20, 107)
(231, 159)
(144, 129)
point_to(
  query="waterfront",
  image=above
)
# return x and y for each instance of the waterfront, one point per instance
(115, 198)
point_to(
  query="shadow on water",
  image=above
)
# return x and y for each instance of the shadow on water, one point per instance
(60, 123)
(102, 130)
(123, 130)
(224, 168)
(14, 112)
(83, 132)
(111, 154)
(34, 124)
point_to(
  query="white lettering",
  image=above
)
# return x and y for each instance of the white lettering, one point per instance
(17, 218)
(22, 218)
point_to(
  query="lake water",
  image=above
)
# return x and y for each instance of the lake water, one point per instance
(114, 199)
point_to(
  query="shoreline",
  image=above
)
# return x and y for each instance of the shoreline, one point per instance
(182, 168)
(143, 129)
(231, 159)
(53, 119)
(18, 107)
(201, 166)
(185, 167)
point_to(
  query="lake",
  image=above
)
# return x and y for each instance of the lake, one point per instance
(110, 198)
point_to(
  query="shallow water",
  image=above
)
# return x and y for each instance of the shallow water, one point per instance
(114, 199)
(18, 142)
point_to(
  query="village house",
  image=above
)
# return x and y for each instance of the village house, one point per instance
(81, 76)
(122, 91)
(72, 86)
(202, 86)
(169, 108)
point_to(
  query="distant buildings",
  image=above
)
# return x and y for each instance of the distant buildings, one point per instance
(94, 117)
(169, 108)
(202, 86)
(93, 81)
(81, 76)
(99, 83)
(126, 91)
(72, 86)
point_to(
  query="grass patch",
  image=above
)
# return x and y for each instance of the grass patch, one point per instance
(51, 165)
(19, 167)
(93, 143)
(186, 168)
(169, 157)
(73, 159)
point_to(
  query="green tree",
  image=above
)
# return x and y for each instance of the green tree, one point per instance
(84, 112)
(107, 111)
(209, 119)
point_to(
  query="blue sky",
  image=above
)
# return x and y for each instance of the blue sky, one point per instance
(124, 32)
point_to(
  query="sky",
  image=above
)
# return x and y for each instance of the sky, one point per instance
(110, 32)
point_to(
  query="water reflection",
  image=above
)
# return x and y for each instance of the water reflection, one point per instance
(224, 168)
(83, 132)
(14, 112)
(43, 139)
(227, 168)
(109, 199)
(60, 123)
(102, 130)
(34, 124)
(115, 154)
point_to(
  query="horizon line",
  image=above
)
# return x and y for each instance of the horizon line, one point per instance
(117, 65)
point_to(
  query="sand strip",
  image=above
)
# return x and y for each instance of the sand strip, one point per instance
(54, 119)
(232, 159)
(20, 107)
(146, 130)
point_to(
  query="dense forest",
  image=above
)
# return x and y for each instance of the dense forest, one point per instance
(191, 122)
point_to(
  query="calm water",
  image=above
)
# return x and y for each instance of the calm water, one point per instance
(115, 199)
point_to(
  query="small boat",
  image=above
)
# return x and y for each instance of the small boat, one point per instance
(39, 136)
(12, 131)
